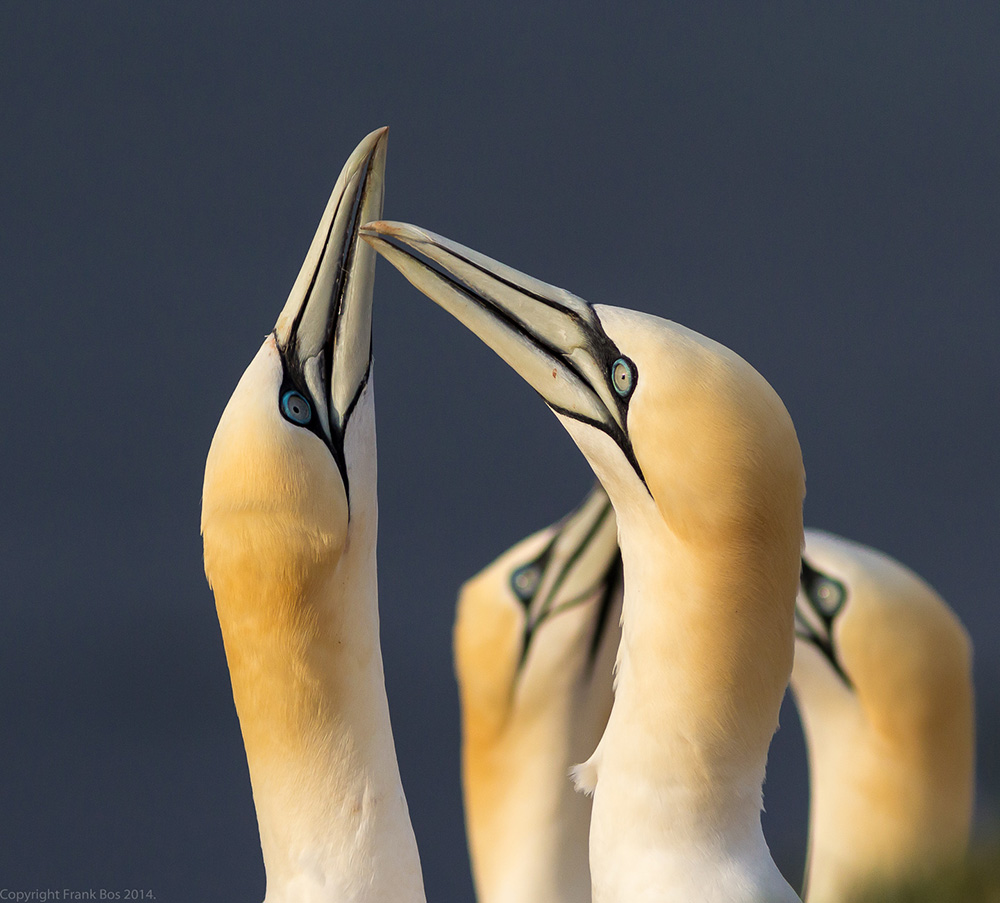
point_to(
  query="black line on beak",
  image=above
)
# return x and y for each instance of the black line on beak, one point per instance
(292, 366)
(546, 610)
(599, 345)
(612, 580)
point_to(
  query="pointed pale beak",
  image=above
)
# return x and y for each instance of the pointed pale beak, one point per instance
(324, 329)
(582, 551)
(581, 562)
(552, 338)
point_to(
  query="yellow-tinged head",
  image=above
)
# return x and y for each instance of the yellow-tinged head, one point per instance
(535, 641)
(891, 639)
(272, 488)
(703, 467)
(277, 484)
(883, 681)
(530, 627)
(712, 440)
(289, 519)
(696, 425)
(695, 449)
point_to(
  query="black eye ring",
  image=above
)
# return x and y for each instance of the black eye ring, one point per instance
(295, 408)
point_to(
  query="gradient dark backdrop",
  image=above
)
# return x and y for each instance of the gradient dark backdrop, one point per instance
(818, 189)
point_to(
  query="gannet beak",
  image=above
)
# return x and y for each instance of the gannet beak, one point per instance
(324, 329)
(552, 338)
(581, 562)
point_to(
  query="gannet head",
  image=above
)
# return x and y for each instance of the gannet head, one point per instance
(290, 476)
(871, 630)
(703, 467)
(289, 519)
(535, 642)
(292, 457)
(530, 627)
(882, 679)
(662, 413)
(695, 449)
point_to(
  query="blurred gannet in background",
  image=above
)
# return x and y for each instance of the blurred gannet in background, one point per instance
(702, 464)
(535, 643)
(289, 519)
(882, 679)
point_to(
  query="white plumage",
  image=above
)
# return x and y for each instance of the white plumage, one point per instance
(289, 520)
(701, 462)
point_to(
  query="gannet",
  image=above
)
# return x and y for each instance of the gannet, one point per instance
(883, 685)
(535, 640)
(703, 467)
(289, 518)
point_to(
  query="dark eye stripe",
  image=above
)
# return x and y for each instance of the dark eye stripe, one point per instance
(826, 597)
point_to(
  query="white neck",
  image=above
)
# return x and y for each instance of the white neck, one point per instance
(678, 772)
(333, 820)
(527, 827)
(301, 630)
(914, 803)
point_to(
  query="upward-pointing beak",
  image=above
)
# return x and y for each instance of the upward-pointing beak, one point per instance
(324, 329)
(552, 338)
(580, 563)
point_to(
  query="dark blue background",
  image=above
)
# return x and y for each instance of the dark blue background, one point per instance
(817, 188)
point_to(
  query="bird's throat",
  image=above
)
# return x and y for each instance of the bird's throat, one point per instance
(701, 673)
(303, 650)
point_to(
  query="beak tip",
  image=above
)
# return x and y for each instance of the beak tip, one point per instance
(370, 152)
(402, 232)
(380, 227)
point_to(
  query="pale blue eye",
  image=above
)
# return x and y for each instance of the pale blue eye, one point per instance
(296, 408)
(622, 377)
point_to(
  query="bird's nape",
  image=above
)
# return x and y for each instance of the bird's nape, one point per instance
(701, 462)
